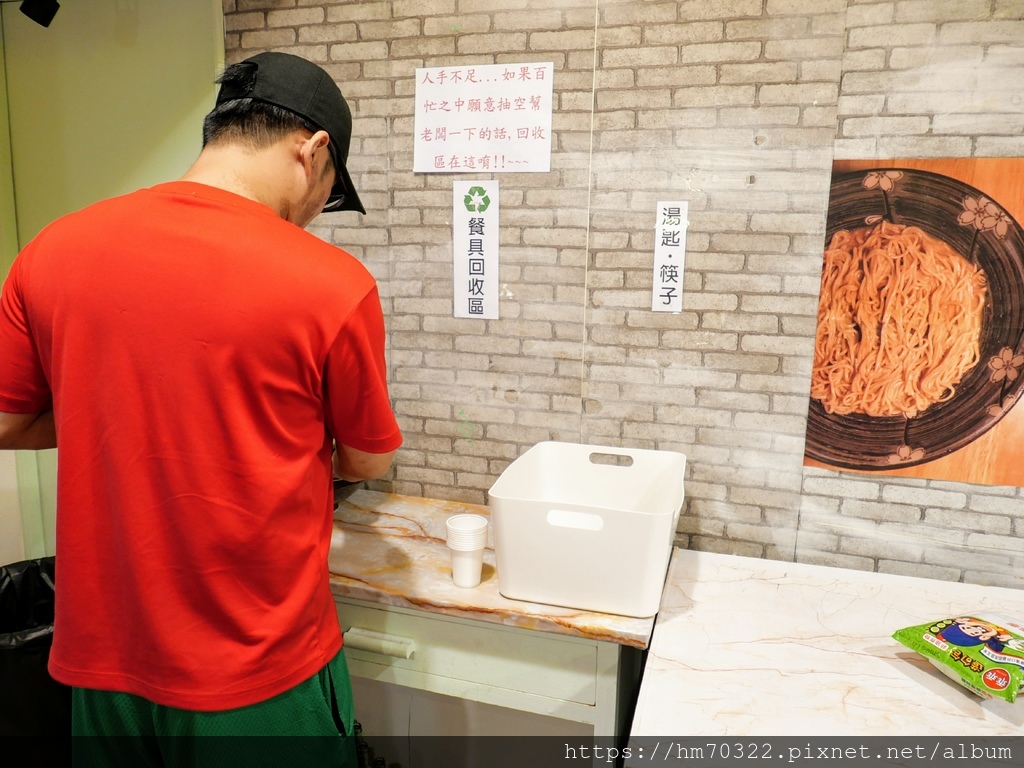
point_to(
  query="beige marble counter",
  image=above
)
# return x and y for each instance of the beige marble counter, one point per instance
(391, 550)
(748, 647)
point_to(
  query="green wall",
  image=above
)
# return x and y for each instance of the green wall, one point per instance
(8, 230)
(109, 98)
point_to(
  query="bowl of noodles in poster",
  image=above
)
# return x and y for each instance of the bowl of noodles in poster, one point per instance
(918, 349)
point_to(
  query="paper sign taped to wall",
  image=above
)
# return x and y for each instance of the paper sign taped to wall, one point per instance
(492, 117)
(475, 249)
(669, 257)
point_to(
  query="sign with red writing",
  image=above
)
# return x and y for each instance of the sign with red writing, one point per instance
(491, 118)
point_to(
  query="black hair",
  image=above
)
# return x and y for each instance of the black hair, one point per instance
(253, 123)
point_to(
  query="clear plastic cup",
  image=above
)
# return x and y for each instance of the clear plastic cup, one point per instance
(467, 539)
(467, 567)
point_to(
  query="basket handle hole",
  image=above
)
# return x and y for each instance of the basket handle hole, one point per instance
(611, 459)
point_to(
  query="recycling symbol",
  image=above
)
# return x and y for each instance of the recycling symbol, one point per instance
(477, 200)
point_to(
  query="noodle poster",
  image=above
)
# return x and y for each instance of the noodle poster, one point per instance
(918, 355)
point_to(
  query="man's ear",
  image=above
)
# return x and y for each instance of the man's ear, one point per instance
(308, 148)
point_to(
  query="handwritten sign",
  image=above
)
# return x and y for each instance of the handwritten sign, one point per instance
(475, 249)
(488, 118)
(669, 257)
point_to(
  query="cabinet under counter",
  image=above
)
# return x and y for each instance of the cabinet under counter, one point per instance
(408, 625)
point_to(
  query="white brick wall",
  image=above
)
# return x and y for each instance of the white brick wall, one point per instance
(738, 107)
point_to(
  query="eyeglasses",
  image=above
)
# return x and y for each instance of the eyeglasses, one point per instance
(335, 201)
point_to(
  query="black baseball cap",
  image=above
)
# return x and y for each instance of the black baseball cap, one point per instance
(300, 86)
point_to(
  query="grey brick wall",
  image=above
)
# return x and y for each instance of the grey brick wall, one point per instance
(736, 106)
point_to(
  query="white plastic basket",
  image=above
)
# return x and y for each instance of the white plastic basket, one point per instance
(587, 526)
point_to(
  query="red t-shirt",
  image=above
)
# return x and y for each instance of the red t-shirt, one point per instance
(200, 354)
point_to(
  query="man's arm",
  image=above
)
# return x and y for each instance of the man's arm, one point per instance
(355, 465)
(27, 431)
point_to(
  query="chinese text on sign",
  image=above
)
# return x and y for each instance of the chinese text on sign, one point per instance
(669, 257)
(488, 118)
(475, 249)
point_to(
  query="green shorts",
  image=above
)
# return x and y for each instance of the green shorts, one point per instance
(310, 724)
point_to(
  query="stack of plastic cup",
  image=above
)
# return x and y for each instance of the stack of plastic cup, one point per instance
(467, 539)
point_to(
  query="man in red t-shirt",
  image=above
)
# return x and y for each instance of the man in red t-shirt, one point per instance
(201, 361)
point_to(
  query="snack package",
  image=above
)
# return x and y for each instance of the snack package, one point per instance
(984, 653)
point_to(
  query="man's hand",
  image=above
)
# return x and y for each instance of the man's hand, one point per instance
(27, 431)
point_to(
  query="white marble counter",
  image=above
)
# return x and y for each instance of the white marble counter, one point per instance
(391, 550)
(749, 647)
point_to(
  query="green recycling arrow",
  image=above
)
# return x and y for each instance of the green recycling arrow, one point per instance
(477, 200)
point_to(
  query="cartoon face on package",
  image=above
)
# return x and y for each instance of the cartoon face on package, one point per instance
(984, 653)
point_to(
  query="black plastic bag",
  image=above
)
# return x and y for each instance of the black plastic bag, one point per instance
(32, 704)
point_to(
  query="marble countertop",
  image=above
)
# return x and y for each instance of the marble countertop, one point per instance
(391, 550)
(749, 647)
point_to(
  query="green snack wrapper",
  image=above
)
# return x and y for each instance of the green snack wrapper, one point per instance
(984, 653)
